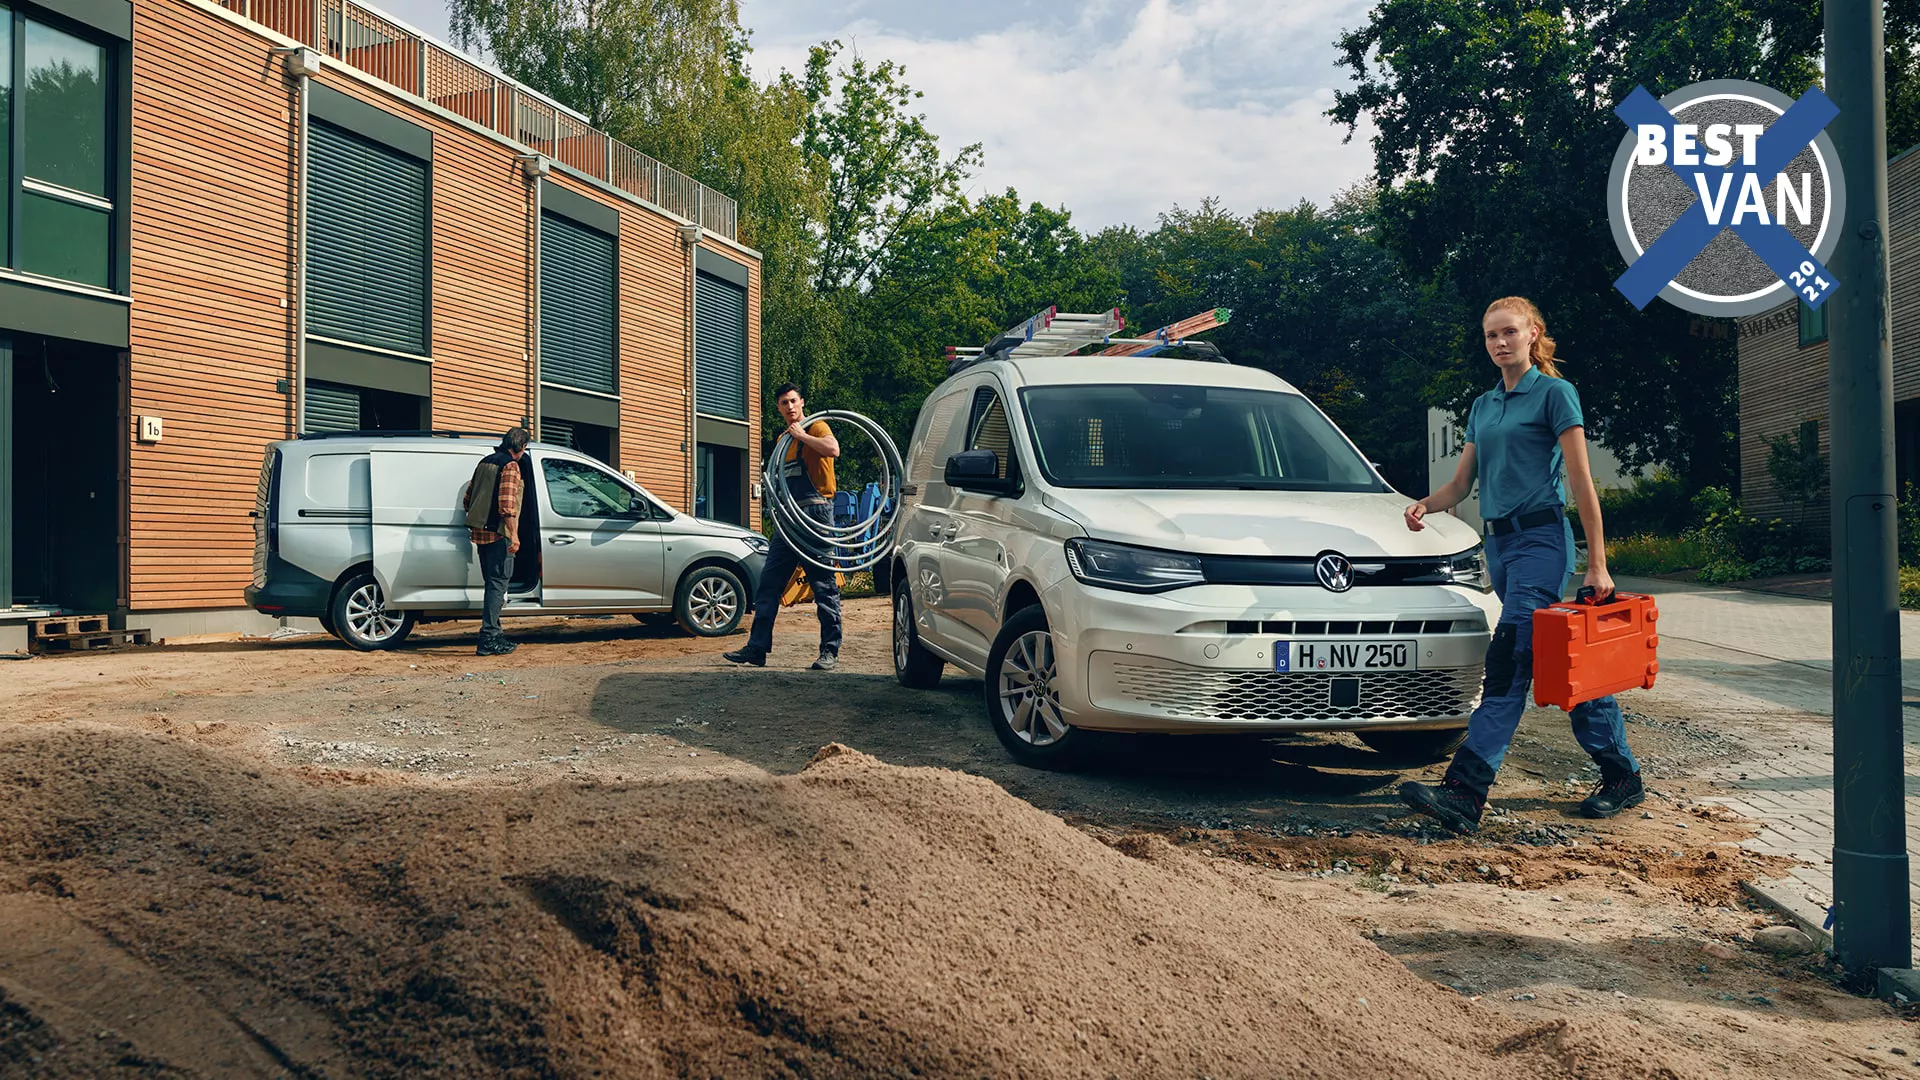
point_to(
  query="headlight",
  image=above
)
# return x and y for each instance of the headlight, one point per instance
(1468, 568)
(1117, 566)
(755, 543)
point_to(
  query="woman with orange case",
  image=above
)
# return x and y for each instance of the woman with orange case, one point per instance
(1520, 436)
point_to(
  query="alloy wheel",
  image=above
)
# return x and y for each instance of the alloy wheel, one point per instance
(713, 602)
(367, 614)
(1029, 701)
(902, 631)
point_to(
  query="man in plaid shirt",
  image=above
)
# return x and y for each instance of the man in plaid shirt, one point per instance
(493, 521)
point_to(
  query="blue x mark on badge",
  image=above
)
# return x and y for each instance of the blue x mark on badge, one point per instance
(1687, 237)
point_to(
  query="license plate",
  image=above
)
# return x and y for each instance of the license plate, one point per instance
(1345, 656)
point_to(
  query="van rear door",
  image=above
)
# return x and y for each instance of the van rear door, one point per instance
(422, 555)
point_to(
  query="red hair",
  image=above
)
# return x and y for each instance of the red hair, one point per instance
(1541, 352)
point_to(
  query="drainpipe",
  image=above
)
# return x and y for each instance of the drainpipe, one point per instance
(690, 239)
(302, 65)
(534, 168)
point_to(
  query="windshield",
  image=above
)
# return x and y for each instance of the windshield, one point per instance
(1158, 436)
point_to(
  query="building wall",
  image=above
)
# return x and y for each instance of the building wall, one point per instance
(215, 133)
(1445, 437)
(211, 323)
(1784, 384)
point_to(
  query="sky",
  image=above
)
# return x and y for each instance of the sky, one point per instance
(1117, 110)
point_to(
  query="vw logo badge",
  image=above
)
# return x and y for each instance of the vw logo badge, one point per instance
(1335, 571)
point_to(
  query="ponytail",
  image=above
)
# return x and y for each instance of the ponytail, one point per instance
(1541, 352)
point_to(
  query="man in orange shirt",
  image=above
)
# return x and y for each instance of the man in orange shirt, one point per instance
(809, 477)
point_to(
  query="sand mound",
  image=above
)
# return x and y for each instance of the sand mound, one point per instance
(854, 919)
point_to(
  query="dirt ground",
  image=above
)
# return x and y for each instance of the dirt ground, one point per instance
(612, 853)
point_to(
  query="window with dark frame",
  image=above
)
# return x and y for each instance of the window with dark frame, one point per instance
(1813, 325)
(56, 92)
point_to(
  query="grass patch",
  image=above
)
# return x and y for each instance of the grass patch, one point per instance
(1656, 554)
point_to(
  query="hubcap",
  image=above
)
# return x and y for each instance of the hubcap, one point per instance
(1029, 702)
(713, 602)
(902, 631)
(367, 614)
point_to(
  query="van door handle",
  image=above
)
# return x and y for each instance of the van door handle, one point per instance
(953, 530)
(560, 541)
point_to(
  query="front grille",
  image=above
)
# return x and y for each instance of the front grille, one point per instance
(1300, 696)
(1321, 627)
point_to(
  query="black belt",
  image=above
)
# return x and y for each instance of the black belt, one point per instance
(1530, 520)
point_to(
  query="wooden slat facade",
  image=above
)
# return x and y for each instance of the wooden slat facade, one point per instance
(215, 132)
(1784, 384)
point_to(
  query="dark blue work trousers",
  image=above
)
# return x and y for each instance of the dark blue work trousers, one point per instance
(1529, 569)
(781, 559)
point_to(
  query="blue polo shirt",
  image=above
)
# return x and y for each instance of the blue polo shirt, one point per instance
(1516, 435)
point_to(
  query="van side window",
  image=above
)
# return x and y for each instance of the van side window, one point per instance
(929, 458)
(576, 489)
(987, 429)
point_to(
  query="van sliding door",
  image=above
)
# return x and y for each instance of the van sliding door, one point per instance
(422, 555)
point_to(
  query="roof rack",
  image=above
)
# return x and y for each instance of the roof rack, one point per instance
(1056, 333)
(393, 434)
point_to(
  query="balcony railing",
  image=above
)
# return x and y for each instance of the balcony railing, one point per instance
(361, 37)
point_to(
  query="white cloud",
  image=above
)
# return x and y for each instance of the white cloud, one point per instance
(1191, 99)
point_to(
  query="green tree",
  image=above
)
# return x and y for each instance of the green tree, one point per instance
(623, 63)
(881, 168)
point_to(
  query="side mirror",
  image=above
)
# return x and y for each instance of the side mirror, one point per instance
(975, 470)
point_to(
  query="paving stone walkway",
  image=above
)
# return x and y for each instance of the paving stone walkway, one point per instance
(1759, 667)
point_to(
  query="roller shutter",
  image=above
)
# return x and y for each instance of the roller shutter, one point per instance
(719, 347)
(558, 433)
(577, 303)
(332, 408)
(366, 242)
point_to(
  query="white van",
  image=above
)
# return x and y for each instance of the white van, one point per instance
(1156, 544)
(365, 531)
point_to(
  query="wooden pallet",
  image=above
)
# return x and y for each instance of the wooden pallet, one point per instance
(67, 625)
(84, 642)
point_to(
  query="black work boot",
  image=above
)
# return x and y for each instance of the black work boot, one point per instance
(1459, 800)
(1613, 794)
(494, 643)
(1452, 804)
(746, 656)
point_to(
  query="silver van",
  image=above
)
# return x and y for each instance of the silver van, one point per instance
(365, 531)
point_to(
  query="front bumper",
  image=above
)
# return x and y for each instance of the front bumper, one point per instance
(1202, 658)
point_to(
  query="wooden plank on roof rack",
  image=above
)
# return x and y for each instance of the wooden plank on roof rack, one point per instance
(1171, 333)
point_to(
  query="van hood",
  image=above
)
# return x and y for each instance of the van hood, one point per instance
(697, 526)
(1262, 522)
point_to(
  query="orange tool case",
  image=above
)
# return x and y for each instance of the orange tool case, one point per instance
(1583, 651)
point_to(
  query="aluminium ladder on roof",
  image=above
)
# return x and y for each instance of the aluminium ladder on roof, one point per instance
(1050, 333)
(1053, 332)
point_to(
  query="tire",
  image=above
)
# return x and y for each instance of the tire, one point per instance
(362, 619)
(1415, 747)
(883, 577)
(1020, 672)
(657, 618)
(913, 665)
(327, 623)
(710, 602)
